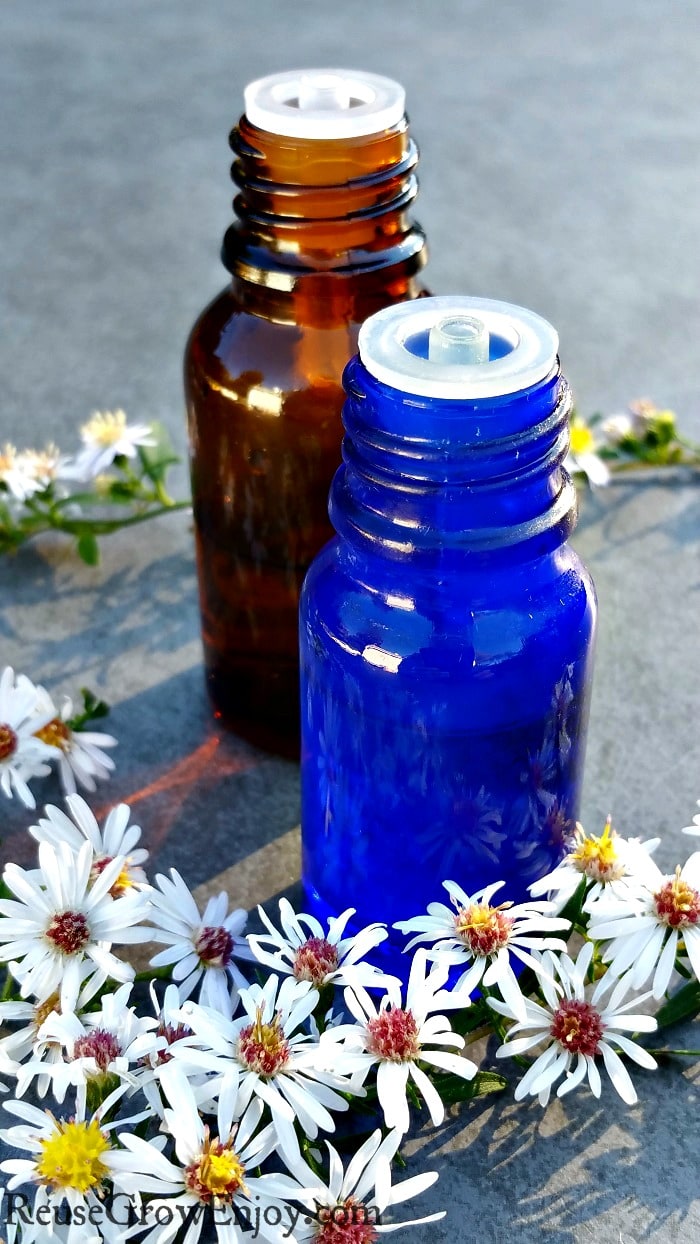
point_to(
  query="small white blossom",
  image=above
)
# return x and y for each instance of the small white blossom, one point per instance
(484, 937)
(107, 436)
(266, 1053)
(31, 471)
(609, 864)
(648, 928)
(68, 1161)
(397, 1038)
(59, 919)
(324, 957)
(576, 1027)
(208, 1173)
(353, 1198)
(117, 838)
(23, 756)
(80, 753)
(99, 1044)
(583, 454)
(25, 1046)
(200, 947)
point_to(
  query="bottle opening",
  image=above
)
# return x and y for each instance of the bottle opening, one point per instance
(324, 103)
(453, 347)
(459, 339)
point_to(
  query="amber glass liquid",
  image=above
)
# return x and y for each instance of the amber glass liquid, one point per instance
(323, 239)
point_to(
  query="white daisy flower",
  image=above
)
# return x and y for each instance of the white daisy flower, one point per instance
(43, 467)
(324, 957)
(22, 755)
(200, 947)
(210, 1175)
(583, 456)
(69, 1161)
(694, 827)
(648, 928)
(16, 474)
(168, 1031)
(79, 753)
(398, 1040)
(266, 1053)
(97, 1046)
(117, 838)
(576, 1026)
(609, 864)
(107, 436)
(483, 936)
(349, 1207)
(24, 1045)
(59, 919)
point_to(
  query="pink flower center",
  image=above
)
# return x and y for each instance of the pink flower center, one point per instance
(100, 1045)
(393, 1035)
(482, 928)
(349, 1222)
(315, 960)
(577, 1027)
(214, 945)
(8, 742)
(172, 1033)
(677, 903)
(263, 1047)
(69, 932)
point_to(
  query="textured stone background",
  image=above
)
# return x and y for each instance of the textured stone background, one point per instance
(561, 169)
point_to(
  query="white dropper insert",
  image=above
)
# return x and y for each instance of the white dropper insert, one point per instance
(462, 348)
(324, 103)
(459, 339)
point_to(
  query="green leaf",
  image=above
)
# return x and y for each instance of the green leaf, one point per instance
(88, 548)
(155, 459)
(92, 709)
(453, 1088)
(684, 1004)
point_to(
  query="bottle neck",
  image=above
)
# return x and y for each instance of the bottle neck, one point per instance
(323, 226)
(455, 482)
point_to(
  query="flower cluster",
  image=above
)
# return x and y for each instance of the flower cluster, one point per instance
(641, 436)
(35, 733)
(223, 1105)
(120, 467)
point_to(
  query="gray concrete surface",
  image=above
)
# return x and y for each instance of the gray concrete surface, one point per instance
(561, 169)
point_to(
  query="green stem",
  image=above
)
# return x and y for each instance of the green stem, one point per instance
(677, 1053)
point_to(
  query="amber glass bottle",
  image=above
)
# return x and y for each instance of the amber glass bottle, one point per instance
(323, 238)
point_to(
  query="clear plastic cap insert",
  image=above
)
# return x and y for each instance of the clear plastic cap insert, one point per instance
(324, 103)
(454, 347)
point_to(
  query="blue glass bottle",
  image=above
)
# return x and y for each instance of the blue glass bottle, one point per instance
(446, 632)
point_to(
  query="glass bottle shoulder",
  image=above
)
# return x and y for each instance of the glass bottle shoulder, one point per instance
(486, 617)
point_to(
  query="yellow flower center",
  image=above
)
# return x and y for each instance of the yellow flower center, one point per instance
(582, 441)
(217, 1173)
(72, 1157)
(8, 458)
(55, 734)
(105, 428)
(597, 857)
(484, 929)
(43, 1009)
(123, 881)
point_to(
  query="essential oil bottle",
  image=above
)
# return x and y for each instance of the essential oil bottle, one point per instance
(446, 631)
(323, 238)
